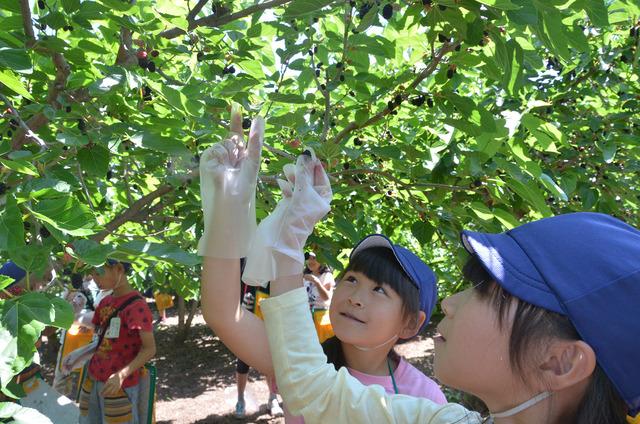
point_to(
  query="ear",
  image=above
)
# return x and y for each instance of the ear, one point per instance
(566, 363)
(413, 326)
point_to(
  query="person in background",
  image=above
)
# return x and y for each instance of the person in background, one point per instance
(164, 301)
(319, 282)
(123, 322)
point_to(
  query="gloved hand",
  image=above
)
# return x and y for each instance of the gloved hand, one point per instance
(277, 249)
(228, 176)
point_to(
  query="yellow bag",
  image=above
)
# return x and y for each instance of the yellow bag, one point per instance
(260, 296)
(323, 324)
(163, 301)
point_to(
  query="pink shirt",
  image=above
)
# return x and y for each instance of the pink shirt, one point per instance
(409, 379)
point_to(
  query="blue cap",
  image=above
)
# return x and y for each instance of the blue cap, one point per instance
(125, 265)
(10, 269)
(582, 265)
(418, 272)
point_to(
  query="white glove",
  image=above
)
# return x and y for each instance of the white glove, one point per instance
(277, 249)
(228, 176)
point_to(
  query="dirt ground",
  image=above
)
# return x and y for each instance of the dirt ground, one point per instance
(196, 380)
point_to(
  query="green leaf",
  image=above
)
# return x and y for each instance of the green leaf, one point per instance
(91, 252)
(24, 415)
(531, 195)
(66, 214)
(5, 281)
(7, 409)
(160, 143)
(168, 252)
(422, 231)
(506, 219)
(105, 85)
(13, 83)
(608, 149)
(299, 8)
(516, 58)
(21, 166)
(500, 4)
(482, 211)
(70, 139)
(597, 12)
(287, 98)
(15, 59)
(22, 319)
(347, 229)
(368, 19)
(181, 102)
(70, 6)
(11, 227)
(553, 187)
(32, 258)
(94, 160)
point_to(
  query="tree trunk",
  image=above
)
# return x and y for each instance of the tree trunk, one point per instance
(181, 310)
(184, 326)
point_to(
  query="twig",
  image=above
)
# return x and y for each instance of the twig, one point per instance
(84, 188)
(395, 179)
(214, 20)
(327, 100)
(279, 152)
(198, 7)
(446, 48)
(21, 123)
(126, 183)
(283, 70)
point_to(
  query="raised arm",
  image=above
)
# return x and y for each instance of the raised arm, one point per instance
(228, 175)
(241, 331)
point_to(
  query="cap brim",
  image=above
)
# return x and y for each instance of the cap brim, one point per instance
(511, 268)
(378, 240)
(373, 240)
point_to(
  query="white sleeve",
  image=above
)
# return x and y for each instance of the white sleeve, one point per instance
(314, 389)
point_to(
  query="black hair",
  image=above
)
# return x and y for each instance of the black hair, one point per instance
(533, 325)
(380, 265)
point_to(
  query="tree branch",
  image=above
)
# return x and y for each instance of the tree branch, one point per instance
(133, 211)
(21, 123)
(198, 7)
(55, 88)
(446, 48)
(214, 20)
(27, 23)
(85, 188)
(395, 179)
(126, 55)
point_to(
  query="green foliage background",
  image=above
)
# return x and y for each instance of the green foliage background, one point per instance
(449, 114)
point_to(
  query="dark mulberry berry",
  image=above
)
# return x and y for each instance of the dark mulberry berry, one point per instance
(387, 11)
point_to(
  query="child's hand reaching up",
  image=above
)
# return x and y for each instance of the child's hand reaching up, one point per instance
(280, 238)
(228, 176)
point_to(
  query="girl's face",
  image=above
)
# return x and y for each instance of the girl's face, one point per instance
(365, 313)
(313, 263)
(471, 350)
(107, 276)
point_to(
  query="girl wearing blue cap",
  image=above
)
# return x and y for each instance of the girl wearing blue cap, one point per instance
(385, 294)
(548, 333)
